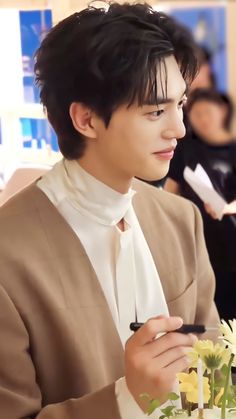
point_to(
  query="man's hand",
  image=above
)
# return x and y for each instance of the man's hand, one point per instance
(151, 364)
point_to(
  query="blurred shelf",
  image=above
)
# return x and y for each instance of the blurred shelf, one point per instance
(24, 110)
(25, 4)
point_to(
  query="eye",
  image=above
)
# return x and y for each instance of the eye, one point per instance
(157, 113)
(182, 102)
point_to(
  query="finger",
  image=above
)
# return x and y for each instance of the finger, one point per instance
(210, 211)
(167, 375)
(170, 356)
(178, 365)
(153, 326)
(168, 341)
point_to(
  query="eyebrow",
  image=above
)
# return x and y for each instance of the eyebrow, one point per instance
(163, 101)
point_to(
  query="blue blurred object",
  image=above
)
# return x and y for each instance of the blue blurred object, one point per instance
(208, 25)
(38, 133)
(33, 25)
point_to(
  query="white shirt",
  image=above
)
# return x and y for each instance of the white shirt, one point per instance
(121, 259)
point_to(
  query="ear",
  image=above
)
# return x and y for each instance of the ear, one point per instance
(81, 116)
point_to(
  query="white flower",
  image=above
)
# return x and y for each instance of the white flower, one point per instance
(229, 334)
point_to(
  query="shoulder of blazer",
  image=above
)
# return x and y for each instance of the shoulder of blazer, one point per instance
(26, 217)
(27, 200)
(165, 204)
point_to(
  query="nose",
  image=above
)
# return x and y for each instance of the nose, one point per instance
(176, 128)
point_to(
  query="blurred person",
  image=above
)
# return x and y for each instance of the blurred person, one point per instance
(88, 249)
(211, 144)
(205, 78)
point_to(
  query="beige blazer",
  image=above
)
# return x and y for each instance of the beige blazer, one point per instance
(60, 352)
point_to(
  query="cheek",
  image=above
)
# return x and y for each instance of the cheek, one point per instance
(198, 121)
(135, 137)
(132, 139)
(219, 118)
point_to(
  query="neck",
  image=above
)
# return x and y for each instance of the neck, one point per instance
(121, 225)
(106, 176)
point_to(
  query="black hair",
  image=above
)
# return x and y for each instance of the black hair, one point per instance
(107, 58)
(205, 57)
(212, 95)
(226, 100)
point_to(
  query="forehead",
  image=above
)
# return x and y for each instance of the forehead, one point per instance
(170, 78)
(170, 85)
(203, 103)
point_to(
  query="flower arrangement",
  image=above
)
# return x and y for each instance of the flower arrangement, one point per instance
(207, 384)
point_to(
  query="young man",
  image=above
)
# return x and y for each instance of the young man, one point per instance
(88, 249)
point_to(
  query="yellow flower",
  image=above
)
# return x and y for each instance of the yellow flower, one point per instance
(218, 396)
(213, 356)
(189, 385)
(229, 334)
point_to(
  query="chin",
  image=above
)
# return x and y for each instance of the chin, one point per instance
(150, 178)
(154, 175)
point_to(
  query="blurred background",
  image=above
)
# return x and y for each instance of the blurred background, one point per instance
(26, 139)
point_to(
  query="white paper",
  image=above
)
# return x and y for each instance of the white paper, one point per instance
(202, 186)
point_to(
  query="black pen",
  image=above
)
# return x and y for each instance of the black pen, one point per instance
(186, 328)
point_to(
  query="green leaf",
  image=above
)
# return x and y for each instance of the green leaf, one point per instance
(145, 396)
(168, 411)
(153, 405)
(162, 417)
(173, 396)
(179, 412)
(231, 401)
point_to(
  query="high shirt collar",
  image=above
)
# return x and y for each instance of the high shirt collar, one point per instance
(92, 197)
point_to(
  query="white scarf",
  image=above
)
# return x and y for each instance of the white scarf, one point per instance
(136, 287)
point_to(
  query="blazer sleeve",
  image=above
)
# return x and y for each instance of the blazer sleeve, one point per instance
(20, 396)
(206, 312)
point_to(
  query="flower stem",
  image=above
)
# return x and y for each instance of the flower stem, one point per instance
(212, 383)
(224, 397)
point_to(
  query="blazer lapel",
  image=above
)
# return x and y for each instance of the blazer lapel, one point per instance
(153, 236)
(70, 256)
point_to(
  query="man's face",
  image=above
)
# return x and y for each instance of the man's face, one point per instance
(140, 141)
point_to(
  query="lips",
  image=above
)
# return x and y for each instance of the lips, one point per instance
(166, 153)
(166, 150)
